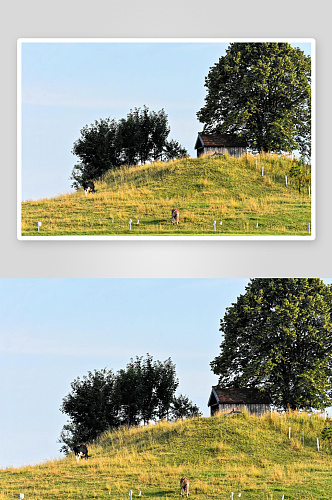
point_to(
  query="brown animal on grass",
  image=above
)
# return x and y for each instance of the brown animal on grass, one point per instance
(175, 216)
(184, 484)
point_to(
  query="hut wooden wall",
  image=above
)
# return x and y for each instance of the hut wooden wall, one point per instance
(234, 151)
(257, 409)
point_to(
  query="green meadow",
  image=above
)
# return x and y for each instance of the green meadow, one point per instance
(246, 455)
(222, 189)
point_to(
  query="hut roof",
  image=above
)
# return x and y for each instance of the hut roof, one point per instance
(237, 396)
(219, 140)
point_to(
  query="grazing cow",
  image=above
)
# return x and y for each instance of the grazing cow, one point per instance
(89, 187)
(81, 451)
(175, 216)
(184, 483)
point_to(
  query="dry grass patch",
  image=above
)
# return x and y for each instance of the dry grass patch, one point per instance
(202, 189)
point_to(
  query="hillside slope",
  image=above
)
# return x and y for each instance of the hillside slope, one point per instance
(222, 189)
(244, 454)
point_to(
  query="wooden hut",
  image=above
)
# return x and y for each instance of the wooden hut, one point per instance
(214, 144)
(237, 400)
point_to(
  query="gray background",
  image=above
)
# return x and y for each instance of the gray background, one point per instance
(158, 18)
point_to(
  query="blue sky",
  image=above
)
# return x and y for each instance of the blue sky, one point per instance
(54, 330)
(66, 86)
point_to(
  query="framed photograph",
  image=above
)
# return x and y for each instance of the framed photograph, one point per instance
(166, 139)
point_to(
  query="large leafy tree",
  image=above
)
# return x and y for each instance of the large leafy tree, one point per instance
(167, 383)
(144, 124)
(145, 389)
(127, 140)
(159, 133)
(109, 144)
(90, 407)
(97, 150)
(148, 394)
(142, 391)
(278, 337)
(262, 92)
(128, 393)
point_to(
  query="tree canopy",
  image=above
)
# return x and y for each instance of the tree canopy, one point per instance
(108, 144)
(141, 392)
(183, 407)
(90, 406)
(261, 92)
(278, 337)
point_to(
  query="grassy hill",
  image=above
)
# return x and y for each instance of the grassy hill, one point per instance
(204, 190)
(243, 454)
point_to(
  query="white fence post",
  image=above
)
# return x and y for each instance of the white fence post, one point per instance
(289, 433)
(317, 444)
